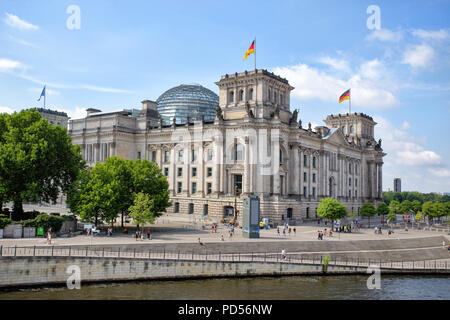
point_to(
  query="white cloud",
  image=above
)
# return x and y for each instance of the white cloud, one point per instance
(402, 148)
(405, 125)
(15, 22)
(418, 55)
(337, 64)
(22, 42)
(4, 109)
(431, 35)
(312, 83)
(371, 69)
(78, 113)
(440, 173)
(103, 89)
(385, 35)
(6, 64)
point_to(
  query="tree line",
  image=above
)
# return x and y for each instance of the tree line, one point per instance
(38, 162)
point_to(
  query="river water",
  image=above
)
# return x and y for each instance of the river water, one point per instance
(277, 288)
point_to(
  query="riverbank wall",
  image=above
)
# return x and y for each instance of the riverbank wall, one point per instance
(18, 272)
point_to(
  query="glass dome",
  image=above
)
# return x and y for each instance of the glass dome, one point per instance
(187, 100)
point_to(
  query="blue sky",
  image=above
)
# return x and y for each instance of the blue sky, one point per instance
(127, 51)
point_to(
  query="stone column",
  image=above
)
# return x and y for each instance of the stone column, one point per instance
(216, 171)
(374, 180)
(246, 176)
(296, 167)
(276, 167)
(201, 184)
(380, 180)
(301, 172)
(186, 167)
(173, 168)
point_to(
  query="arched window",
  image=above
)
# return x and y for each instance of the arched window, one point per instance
(250, 94)
(241, 95)
(281, 156)
(352, 129)
(344, 130)
(238, 152)
(231, 96)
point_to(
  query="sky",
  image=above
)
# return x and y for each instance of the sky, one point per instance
(111, 55)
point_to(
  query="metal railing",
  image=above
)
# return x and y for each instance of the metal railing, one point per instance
(265, 257)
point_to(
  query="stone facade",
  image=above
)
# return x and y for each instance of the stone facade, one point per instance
(255, 145)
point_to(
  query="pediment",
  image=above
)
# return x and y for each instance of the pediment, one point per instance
(335, 136)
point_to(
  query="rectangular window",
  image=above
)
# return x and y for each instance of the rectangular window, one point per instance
(350, 193)
(208, 188)
(305, 160)
(179, 187)
(313, 191)
(209, 172)
(153, 156)
(356, 182)
(305, 192)
(194, 155)
(314, 177)
(139, 155)
(356, 169)
(194, 187)
(210, 154)
(191, 208)
(177, 207)
(314, 162)
(180, 155)
(179, 172)
(166, 172)
(166, 156)
(194, 172)
(356, 193)
(349, 182)
(304, 176)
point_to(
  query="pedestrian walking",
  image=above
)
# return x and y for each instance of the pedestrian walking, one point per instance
(289, 231)
(278, 231)
(295, 231)
(148, 233)
(284, 232)
(283, 254)
(49, 237)
(221, 237)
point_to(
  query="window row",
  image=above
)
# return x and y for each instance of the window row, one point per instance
(194, 187)
(241, 95)
(166, 155)
(193, 171)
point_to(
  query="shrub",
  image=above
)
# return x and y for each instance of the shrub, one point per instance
(28, 223)
(4, 222)
(47, 221)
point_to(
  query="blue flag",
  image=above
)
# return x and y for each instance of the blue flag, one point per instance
(42, 94)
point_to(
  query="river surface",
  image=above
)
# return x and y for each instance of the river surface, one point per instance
(278, 288)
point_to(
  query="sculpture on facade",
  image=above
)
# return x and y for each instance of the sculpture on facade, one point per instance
(219, 114)
(294, 117)
(249, 111)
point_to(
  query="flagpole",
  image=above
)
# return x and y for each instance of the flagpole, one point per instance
(255, 53)
(45, 94)
(350, 101)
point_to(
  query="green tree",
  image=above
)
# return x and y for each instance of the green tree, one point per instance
(391, 217)
(367, 210)
(395, 207)
(37, 159)
(428, 209)
(110, 188)
(416, 206)
(143, 210)
(406, 206)
(382, 209)
(331, 209)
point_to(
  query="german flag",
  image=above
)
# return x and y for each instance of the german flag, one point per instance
(250, 50)
(345, 96)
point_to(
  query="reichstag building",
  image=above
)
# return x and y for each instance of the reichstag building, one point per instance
(215, 150)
